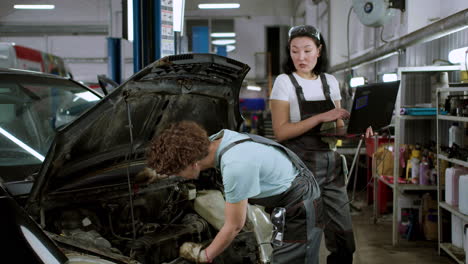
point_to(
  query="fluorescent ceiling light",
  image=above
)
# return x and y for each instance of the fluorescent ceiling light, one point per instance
(389, 77)
(230, 48)
(219, 6)
(130, 20)
(223, 41)
(223, 35)
(178, 15)
(254, 88)
(21, 144)
(34, 6)
(459, 56)
(356, 81)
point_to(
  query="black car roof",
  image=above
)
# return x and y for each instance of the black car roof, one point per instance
(26, 72)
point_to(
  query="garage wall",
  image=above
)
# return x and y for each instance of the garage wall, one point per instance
(248, 8)
(363, 39)
(250, 39)
(67, 12)
(86, 53)
(84, 50)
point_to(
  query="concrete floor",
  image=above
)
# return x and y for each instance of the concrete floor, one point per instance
(374, 244)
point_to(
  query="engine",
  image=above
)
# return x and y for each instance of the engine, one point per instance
(162, 219)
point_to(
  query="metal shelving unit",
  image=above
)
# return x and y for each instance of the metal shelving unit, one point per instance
(408, 187)
(399, 139)
(456, 253)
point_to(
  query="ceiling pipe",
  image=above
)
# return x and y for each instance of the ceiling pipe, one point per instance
(300, 7)
(441, 28)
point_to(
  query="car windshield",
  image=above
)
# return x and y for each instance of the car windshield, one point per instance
(33, 109)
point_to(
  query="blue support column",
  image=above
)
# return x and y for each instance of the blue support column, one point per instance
(157, 30)
(200, 40)
(147, 32)
(114, 59)
(137, 36)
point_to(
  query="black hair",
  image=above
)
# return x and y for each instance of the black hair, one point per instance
(322, 60)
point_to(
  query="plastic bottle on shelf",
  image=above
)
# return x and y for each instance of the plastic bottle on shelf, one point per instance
(463, 194)
(433, 178)
(412, 166)
(415, 170)
(455, 135)
(424, 172)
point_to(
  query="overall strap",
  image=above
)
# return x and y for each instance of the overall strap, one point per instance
(228, 147)
(326, 87)
(299, 92)
(297, 162)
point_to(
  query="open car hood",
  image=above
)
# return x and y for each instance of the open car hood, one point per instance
(199, 87)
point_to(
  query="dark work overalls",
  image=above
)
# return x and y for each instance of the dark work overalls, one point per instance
(326, 166)
(303, 228)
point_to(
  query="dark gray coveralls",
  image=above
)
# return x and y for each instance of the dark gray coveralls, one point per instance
(303, 228)
(326, 166)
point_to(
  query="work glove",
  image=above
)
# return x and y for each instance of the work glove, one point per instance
(148, 175)
(193, 252)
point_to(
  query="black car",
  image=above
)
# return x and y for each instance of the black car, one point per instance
(33, 107)
(88, 195)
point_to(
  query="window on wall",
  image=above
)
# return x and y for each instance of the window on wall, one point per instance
(210, 34)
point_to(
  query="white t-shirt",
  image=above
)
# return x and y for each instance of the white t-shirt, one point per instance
(284, 90)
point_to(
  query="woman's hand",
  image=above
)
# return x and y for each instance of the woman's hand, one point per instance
(335, 114)
(369, 132)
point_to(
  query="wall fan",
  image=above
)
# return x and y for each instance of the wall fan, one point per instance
(375, 13)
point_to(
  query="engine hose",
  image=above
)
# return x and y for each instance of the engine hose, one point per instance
(112, 230)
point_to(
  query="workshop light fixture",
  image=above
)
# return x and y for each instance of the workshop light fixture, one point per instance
(459, 56)
(254, 88)
(223, 35)
(33, 6)
(178, 15)
(230, 48)
(223, 42)
(389, 77)
(356, 81)
(219, 6)
(129, 21)
(21, 144)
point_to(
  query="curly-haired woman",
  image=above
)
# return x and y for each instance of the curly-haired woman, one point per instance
(254, 169)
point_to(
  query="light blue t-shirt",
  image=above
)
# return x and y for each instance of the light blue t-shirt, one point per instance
(252, 170)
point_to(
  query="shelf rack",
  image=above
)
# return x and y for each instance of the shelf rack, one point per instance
(456, 253)
(398, 140)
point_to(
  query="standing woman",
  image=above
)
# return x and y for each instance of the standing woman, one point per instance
(302, 99)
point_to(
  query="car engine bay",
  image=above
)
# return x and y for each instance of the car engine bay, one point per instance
(149, 229)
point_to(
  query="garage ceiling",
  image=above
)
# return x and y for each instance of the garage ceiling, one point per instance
(96, 11)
